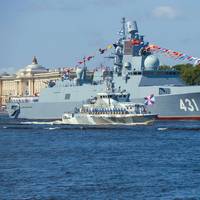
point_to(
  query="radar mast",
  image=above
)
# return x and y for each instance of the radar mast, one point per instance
(123, 31)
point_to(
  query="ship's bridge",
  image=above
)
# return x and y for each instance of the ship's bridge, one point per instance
(118, 96)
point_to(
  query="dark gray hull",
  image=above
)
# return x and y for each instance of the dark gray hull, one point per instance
(42, 111)
(181, 106)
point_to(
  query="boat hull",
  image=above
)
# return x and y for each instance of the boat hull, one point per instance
(111, 119)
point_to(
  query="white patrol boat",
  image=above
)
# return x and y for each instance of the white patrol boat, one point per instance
(110, 108)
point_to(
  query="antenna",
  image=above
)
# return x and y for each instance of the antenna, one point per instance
(122, 32)
(124, 28)
(84, 64)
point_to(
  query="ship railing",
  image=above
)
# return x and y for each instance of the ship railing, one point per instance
(24, 99)
(100, 111)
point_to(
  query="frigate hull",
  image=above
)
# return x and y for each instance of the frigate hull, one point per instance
(41, 110)
(169, 107)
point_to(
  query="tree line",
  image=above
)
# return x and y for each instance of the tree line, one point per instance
(188, 72)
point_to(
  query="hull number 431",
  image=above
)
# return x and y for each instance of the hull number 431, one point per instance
(188, 105)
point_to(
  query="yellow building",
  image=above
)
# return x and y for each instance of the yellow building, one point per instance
(26, 82)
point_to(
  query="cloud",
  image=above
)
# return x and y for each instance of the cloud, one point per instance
(165, 12)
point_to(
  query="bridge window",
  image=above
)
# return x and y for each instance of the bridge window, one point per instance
(67, 96)
(135, 73)
(164, 91)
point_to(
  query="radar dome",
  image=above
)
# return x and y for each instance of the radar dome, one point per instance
(151, 62)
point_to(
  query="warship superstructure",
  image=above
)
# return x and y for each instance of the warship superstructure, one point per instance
(135, 69)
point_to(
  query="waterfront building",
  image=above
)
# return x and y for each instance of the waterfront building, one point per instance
(28, 81)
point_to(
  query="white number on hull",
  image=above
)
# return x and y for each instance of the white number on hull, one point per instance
(182, 105)
(195, 105)
(188, 105)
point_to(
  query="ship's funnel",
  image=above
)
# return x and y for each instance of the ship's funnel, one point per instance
(132, 27)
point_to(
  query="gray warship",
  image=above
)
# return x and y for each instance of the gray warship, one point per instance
(134, 69)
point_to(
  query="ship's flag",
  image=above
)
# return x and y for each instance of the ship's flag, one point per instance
(154, 47)
(66, 70)
(191, 58)
(197, 62)
(109, 46)
(135, 42)
(102, 50)
(179, 55)
(115, 45)
(183, 56)
(175, 54)
(149, 100)
(170, 53)
(89, 58)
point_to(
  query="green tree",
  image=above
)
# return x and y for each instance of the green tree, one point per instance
(165, 67)
(189, 73)
(196, 77)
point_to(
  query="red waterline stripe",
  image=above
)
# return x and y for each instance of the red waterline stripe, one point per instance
(178, 117)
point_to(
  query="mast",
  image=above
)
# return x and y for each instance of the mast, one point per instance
(84, 68)
(118, 58)
(123, 31)
(84, 64)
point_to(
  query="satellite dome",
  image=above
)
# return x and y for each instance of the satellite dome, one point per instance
(151, 62)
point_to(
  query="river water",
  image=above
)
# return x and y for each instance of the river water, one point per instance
(41, 161)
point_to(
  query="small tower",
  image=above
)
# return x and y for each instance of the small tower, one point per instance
(34, 61)
(123, 30)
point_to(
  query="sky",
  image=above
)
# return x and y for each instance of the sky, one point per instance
(61, 32)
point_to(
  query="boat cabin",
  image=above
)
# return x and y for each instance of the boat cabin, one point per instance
(119, 96)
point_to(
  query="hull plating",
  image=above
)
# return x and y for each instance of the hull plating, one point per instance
(182, 106)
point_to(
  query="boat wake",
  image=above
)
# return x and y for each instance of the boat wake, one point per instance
(162, 129)
(40, 123)
(178, 129)
(59, 125)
